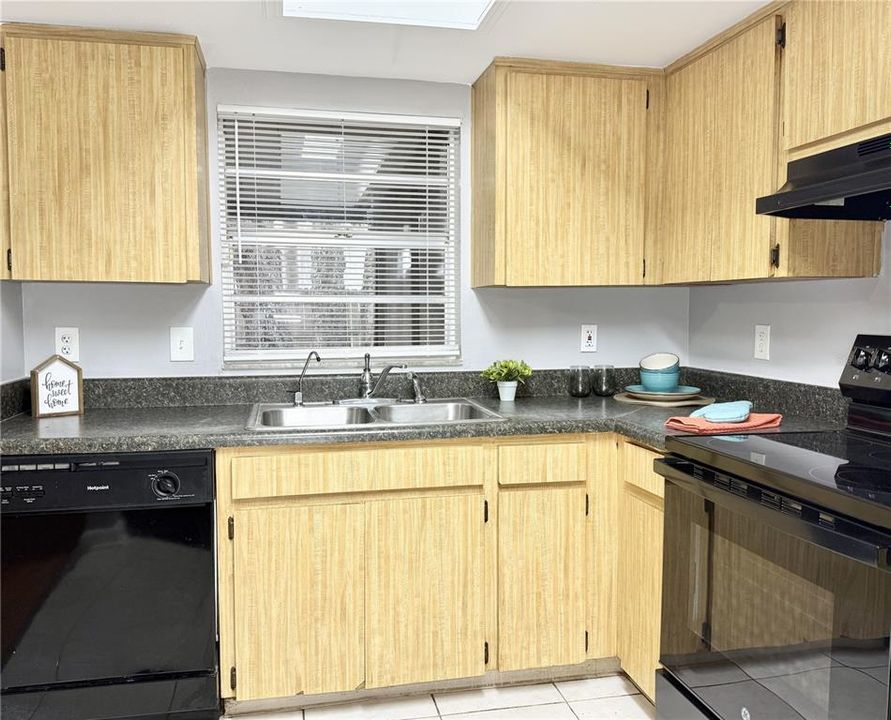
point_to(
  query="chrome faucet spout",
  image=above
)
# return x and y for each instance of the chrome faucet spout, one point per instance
(420, 397)
(298, 395)
(382, 377)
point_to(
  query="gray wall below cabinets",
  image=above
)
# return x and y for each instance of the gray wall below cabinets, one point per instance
(12, 337)
(124, 329)
(813, 324)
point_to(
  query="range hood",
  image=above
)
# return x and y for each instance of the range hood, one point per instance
(850, 183)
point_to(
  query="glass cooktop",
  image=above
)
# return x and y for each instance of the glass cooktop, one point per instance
(820, 466)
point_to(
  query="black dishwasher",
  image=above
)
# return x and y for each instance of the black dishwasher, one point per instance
(107, 596)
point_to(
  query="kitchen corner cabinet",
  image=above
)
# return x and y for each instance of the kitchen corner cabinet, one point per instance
(639, 587)
(559, 174)
(837, 70)
(105, 165)
(722, 150)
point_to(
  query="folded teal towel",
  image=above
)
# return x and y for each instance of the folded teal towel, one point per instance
(728, 412)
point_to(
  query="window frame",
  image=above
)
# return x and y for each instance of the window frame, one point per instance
(343, 356)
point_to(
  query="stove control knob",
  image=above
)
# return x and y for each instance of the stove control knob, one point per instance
(860, 359)
(882, 361)
(165, 484)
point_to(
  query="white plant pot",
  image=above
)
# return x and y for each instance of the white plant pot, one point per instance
(507, 391)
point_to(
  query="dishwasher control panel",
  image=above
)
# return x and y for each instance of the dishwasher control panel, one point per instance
(96, 482)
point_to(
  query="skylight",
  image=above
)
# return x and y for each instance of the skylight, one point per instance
(460, 14)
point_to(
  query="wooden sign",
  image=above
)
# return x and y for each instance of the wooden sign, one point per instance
(57, 388)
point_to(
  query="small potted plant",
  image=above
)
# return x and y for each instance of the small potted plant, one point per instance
(507, 373)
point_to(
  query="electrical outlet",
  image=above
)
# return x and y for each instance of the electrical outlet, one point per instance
(182, 344)
(762, 342)
(68, 343)
(588, 341)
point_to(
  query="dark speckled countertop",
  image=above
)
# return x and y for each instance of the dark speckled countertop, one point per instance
(213, 426)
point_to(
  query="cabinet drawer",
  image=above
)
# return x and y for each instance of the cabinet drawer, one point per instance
(546, 463)
(320, 472)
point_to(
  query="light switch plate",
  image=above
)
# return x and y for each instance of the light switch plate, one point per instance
(588, 340)
(182, 344)
(68, 343)
(762, 342)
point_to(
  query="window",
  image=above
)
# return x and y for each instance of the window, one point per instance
(339, 234)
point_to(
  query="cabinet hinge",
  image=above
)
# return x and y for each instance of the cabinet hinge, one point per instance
(231, 525)
(587, 504)
(2, 59)
(485, 653)
(586, 641)
(9, 259)
(781, 35)
(485, 511)
(232, 678)
(775, 256)
(648, 98)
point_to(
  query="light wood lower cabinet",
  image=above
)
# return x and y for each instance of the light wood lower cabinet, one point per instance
(639, 594)
(541, 576)
(370, 566)
(299, 600)
(424, 614)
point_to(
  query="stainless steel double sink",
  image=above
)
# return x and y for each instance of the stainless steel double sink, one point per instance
(266, 417)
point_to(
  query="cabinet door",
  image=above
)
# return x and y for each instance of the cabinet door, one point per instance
(298, 589)
(640, 567)
(97, 160)
(837, 70)
(424, 594)
(541, 576)
(574, 183)
(720, 108)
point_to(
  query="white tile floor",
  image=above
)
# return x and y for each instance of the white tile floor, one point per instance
(611, 697)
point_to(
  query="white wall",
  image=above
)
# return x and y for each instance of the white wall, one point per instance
(12, 358)
(124, 329)
(813, 324)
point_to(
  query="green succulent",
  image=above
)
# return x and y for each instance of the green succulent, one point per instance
(507, 371)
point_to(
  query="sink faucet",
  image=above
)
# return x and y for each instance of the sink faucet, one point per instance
(367, 384)
(298, 395)
(420, 397)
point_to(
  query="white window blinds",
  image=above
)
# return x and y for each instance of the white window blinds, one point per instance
(339, 234)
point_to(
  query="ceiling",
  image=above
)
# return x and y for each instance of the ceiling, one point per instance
(253, 34)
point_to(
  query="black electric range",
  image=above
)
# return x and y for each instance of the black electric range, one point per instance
(848, 471)
(777, 565)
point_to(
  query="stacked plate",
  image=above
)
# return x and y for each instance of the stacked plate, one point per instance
(659, 373)
(681, 392)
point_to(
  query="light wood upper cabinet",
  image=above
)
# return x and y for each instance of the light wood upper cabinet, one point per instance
(838, 65)
(722, 151)
(424, 592)
(299, 600)
(639, 598)
(559, 168)
(106, 142)
(719, 108)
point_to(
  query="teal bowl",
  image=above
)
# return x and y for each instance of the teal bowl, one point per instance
(656, 381)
